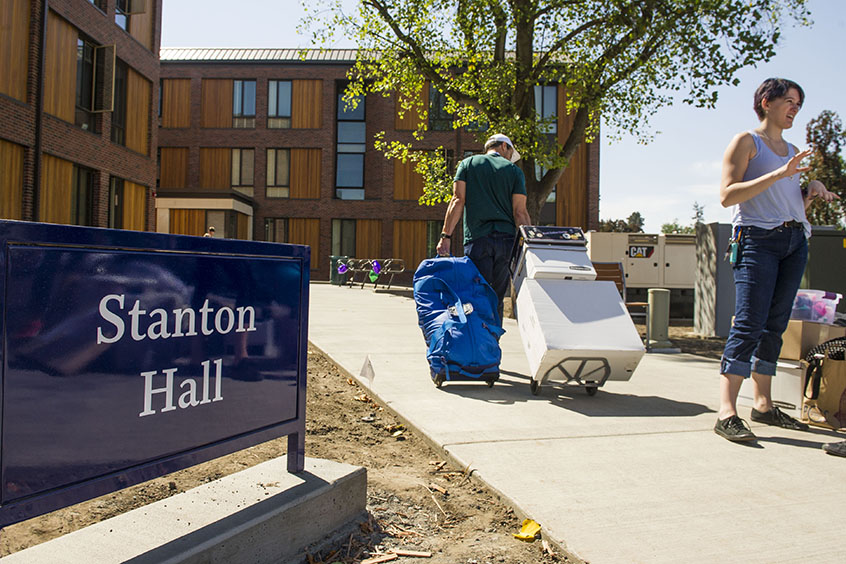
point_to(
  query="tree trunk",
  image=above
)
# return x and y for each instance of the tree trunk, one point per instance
(538, 191)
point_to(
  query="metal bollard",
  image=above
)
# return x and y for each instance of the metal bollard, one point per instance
(659, 318)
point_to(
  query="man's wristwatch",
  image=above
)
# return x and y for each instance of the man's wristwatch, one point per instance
(446, 236)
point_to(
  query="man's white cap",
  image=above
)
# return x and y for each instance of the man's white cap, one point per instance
(500, 138)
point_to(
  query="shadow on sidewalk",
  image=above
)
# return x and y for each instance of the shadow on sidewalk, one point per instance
(574, 398)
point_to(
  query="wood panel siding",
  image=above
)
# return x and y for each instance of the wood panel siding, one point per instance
(215, 168)
(411, 119)
(187, 222)
(141, 26)
(571, 200)
(11, 180)
(134, 206)
(216, 102)
(306, 231)
(305, 173)
(54, 198)
(571, 203)
(138, 93)
(60, 68)
(176, 102)
(174, 167)
(306, 104)
(409, 241)
(368, 238)
(408, 184)
(14, 39)
(242, 226)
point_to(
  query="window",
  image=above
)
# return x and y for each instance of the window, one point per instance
(343, 237)
(95, 68)
(276, 230)
(84, 83)
(546, 106)
(278, 104)
(349, 160)
(99, 3)
(278, 173)
(116, 203)
(124, 9)
(242, 170)
(439, 118)
(119, 112)
(244, 103)
(81, 196)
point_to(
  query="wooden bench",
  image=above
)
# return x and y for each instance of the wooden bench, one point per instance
(613, 271)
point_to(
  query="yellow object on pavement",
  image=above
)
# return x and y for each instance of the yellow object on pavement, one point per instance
(528, 531)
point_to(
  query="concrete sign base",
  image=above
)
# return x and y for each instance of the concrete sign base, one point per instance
(262, 514)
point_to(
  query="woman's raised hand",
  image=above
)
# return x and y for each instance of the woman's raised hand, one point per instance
(792, 167)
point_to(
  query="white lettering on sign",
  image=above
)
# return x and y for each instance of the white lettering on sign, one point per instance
(641, 252)
(161, 324)
(188, 398)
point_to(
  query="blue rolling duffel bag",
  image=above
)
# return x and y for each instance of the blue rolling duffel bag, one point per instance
(457, 312)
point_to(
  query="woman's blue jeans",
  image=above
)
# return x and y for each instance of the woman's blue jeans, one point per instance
(767, 273)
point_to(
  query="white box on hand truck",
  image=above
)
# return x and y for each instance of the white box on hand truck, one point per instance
(575, 329)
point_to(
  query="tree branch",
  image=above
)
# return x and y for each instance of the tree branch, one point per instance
(555, 5)
(418, 57)
(544, 59)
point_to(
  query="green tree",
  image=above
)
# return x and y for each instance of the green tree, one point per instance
(697, 217)
(698, 213)
(635, 222)
(674, 227)
(826, 136)
(632, 224)
(621, 59)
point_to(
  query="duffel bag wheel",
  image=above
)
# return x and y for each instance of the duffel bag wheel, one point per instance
(591, 390)
(439, 380)
(535, 386)
(492, 378)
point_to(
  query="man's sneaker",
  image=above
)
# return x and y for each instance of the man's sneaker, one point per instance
(777, 417)
(837, 449)
(734, 429)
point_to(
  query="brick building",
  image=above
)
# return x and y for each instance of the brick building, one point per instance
(78, 83)
(257, 143)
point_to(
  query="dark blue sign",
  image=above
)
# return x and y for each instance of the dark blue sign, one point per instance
(127, 355)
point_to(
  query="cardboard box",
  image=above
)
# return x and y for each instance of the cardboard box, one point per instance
(801, 336)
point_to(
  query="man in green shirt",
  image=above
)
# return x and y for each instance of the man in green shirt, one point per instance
(489, 192)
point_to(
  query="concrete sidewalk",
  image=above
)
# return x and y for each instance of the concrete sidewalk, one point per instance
(633, 474)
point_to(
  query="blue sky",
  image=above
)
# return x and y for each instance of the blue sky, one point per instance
(662, 179)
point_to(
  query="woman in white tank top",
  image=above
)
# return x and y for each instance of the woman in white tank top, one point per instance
(768, 250)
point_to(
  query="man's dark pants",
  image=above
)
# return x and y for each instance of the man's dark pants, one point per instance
(491, 255)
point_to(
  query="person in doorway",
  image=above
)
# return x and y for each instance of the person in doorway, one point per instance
(210, 232)
(768, 251)
(489, 193)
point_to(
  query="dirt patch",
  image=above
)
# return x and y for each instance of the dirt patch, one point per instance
(416, 500)
(683, 337)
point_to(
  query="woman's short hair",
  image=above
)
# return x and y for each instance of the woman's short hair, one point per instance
(771, 89)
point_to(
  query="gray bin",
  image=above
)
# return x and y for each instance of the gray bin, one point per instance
(334, 277)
